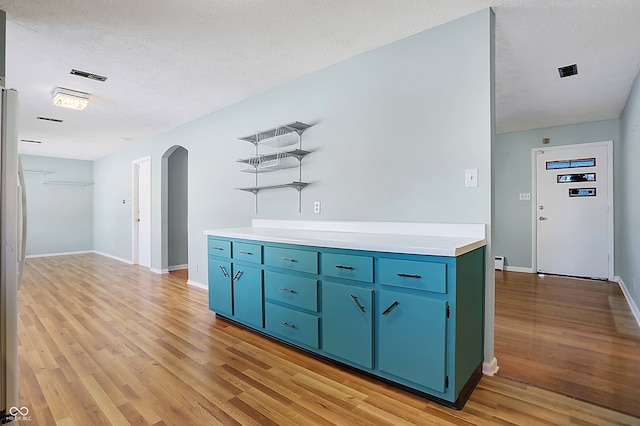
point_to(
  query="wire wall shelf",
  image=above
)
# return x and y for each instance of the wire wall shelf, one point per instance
(273, 152)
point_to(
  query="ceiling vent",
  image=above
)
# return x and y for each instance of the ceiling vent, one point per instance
(57, 120)
(88, 75)
(29, 141)
(568, 71)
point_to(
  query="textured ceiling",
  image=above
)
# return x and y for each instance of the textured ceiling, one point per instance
(169, 62)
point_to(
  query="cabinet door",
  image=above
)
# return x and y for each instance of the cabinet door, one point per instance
(247, 294)
(220, 287)
(412, 333)
(347, 322)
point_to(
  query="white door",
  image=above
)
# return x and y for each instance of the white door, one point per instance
(142, 212)
(573, 196)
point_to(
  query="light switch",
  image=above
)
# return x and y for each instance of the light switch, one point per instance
(471, 178)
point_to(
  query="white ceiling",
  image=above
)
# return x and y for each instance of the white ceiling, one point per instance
(168, 61)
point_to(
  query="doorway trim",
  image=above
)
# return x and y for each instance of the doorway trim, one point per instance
(534, 200)
(135, 201)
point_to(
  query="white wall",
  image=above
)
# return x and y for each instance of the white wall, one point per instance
(59, 216)
(393, 131)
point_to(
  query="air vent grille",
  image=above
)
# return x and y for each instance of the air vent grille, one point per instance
(568, 71)
(29, 141)
(88, 75)
(57, 120)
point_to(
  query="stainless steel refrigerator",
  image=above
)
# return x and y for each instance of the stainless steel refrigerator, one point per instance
(12, 251)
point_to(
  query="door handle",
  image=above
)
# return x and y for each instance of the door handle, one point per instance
(542, 218)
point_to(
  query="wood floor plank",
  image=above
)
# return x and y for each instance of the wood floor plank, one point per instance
(562, 334)
(102, 342)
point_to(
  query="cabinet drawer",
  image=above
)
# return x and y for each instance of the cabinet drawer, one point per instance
(428, 276)
(295, 326)
(247, 252)
(294, 259)
(347, 266)
(296, 291)
(220, 248)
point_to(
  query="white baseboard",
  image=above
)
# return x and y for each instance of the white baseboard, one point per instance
(490, 368)
(197, 284)
(519, 269)
(119, 259)
(159, 271)
(30, 256)
(178, 267)
(630, 301)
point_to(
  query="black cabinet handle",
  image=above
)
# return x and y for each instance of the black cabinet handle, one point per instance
(216, 248)
(344, 267)
(286, 259)
(237, 275)
(391, 308)
(410, 276)
(286, 290)
(286, 324)
(224, 271)
(246, 252)
(357, 302)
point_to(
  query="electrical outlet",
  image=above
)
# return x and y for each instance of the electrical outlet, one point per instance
(525, 196)
(316, 207)
(196, 268)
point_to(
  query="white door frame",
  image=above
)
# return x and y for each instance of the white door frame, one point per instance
(135, 204)
(534, 199)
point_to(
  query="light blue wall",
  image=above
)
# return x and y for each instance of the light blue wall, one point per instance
(512, 176)
(177, 200)
(628, 196)
(59, 217)
(393, 131)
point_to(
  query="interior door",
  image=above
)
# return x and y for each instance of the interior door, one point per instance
(572, 210)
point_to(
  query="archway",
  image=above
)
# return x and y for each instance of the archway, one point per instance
(175, 213)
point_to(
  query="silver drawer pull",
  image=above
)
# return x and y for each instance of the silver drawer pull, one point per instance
(246, 252)
(217, 248)
(391, 308)
(286, 259)
(286, 324)
(344, 267)
(410, 276)
(357, 302)
(224, 271)
(286, 290)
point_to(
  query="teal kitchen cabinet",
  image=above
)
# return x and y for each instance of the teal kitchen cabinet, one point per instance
(412, 332)
(411, 319)
(247, 294)
(235, 281)
(347, 320)
(220, 293)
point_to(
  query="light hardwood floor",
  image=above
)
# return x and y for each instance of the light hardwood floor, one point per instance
(103, 342)
(571, 335)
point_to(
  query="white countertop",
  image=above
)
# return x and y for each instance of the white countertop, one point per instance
(393, 237)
